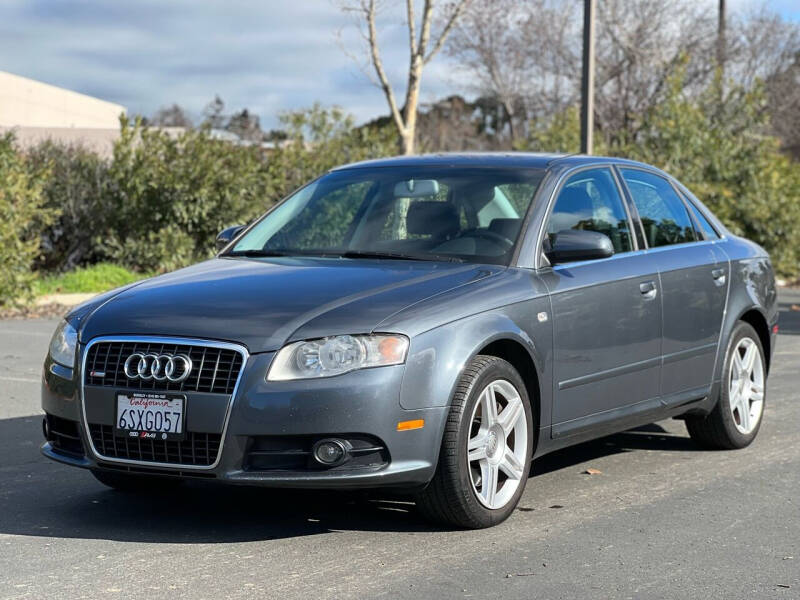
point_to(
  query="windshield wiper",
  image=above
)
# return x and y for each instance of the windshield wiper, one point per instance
(257, 253)
(396, 255)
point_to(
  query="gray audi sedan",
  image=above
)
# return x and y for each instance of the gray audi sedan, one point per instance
(429, 324)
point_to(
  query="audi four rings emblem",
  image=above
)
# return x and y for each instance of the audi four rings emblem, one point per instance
(160, 367)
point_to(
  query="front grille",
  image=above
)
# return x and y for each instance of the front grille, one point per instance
(196, 449)
(214, 370)
(63, 435)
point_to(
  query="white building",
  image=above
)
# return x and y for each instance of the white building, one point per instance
(37, 111)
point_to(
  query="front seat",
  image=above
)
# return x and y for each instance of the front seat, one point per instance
(433, 218)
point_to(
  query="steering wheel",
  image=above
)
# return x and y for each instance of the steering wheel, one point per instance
(496, 238)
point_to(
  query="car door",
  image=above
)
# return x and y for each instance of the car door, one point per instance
(606, 313)
(694, 274)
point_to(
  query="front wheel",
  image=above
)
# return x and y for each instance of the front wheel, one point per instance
(486, 449)
(736, 419)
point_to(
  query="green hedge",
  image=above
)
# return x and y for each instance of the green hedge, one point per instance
(23, 217)
(76, 187)
(159, 202)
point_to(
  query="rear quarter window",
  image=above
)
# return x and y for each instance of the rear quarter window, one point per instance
(704, 229)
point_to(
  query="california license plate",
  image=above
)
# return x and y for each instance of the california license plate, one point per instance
(150, 416)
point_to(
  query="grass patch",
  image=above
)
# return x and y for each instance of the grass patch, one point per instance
(85, 280)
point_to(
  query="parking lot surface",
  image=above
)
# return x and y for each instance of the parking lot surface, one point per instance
(662, 519)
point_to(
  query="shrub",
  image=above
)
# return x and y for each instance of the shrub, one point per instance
(76, 186)
(720, 151)
(170, 196)
(22, 218)
(322, 138)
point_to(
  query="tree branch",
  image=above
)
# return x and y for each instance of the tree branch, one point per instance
(412, 28)
(372, 38)
(425, 34)
(446, 31)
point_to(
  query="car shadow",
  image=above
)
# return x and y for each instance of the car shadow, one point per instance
(41, 498)
(646, 437)
(789, 317)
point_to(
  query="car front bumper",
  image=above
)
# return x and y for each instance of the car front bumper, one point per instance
(266, 435)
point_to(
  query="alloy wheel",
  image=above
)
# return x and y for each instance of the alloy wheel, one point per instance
(497, 447)
(746, 385)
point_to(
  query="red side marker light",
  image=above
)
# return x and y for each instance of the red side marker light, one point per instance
(774, 329)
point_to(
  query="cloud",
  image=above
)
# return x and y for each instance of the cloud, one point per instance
(266, 56)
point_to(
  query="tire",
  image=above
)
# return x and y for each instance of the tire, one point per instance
(457, 495)
(127, 482)
(730, 425)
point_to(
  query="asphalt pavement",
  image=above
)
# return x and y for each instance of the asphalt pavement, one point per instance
(662, 519)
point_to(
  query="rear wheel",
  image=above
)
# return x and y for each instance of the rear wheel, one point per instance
(736, 419)
(486, 450)
(127, 482)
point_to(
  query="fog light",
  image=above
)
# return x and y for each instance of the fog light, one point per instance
(330, 452)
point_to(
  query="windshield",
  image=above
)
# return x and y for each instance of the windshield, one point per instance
(419, 213)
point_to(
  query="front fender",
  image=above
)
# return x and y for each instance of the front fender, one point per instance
(437, 357)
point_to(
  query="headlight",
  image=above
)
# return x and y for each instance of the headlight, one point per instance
(336, 355)
(63, 344)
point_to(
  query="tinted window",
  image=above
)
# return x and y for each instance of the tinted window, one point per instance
(661, 210)
(590, 200)
(706, 230)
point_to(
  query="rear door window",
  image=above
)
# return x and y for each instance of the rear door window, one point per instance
(662, 212)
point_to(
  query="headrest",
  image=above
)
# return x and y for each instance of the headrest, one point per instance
(508, 228)
(434, 218)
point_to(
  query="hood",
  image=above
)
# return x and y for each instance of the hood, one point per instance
(263, 303)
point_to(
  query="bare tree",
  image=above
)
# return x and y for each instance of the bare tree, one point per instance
(422, 49)
(513, 53)
(171, 116)
(213, 113)
(762, 44)
(246, 125)
(526, 55)
(640, 44)
(783, 92)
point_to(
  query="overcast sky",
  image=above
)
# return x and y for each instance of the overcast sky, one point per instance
(266, 55)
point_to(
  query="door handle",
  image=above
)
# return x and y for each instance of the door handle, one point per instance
(719, 276)
(648, 289)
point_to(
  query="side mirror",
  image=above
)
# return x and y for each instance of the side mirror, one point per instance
(226, 235)
(572, 245)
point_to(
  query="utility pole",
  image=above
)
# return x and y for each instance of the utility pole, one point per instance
(587, 82)
(721, 50)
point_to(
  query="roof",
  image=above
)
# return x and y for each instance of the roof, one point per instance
(485, 159)
(461, 159)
